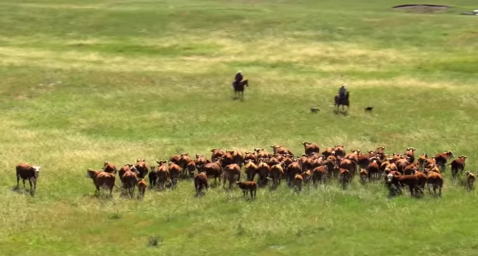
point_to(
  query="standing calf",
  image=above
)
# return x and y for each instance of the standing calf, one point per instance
(248, 185)
(28, 172)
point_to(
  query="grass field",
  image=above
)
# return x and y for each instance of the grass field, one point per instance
(87, 81)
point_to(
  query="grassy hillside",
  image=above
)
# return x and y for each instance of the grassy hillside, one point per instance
(87, 81)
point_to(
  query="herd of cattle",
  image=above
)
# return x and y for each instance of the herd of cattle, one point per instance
(261, 168)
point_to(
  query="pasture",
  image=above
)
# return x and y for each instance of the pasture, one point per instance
(83, 82)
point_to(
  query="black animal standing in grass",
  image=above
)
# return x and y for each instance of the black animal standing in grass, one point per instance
(368, 109)
(239, 88)
(342, 101)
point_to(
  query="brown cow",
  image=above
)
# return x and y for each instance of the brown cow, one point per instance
(142, 188)
(411, 154)
(27, 172)
(213, 169)
(263, 170)
(349, 165)
(373, 169)
(175, 159)
(184, 160)
(458, 165)
(122, 170)
(250, 169)
(250, 186)
(281, 150)
(345, 177)
(261, 153)
(216, 154)
(291, 170)
(298, 180)
(310, 148)
(130, 180)
(142, 168)
(191, 167)
(401, 180)
(237, 158)
(175, 172)
(162, 174)
(339, 150)
(441, 159)
(250, 156)
(470, 179)
(200, 182)
(435, 180)
(231, 173)
(276, 174)
(200, 161)
(109, 167)
(364, 176)
(101, 179)
(328, 151)
(319, 174)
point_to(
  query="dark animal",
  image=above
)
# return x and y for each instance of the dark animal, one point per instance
(342, 102)
(27, 172)
(314, 109)
(141, 188)
(239, 88)
(200, 182)
(368, 109)
(102, 179)
(250, 186)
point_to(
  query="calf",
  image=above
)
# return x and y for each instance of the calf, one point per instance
(298, 180)
(200, 182)
(250, 186)
(27, 172)
(141, 188)
(101, 179)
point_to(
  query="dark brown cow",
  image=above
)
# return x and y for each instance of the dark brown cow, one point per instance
(364, 176)
(263, 169)
(142, 168)
(298, 180)
(191, 167)
(441, 159)
(373, 169)
(250, 186)
(310, 148)
(399, 181)
(276, 174)
(458, 165)
(328, 151)
(339, 150)
(402, 165)
(184, 160)
(200, 182)
(232, 173)
(102, 179)
(153, 176)
(109, 167)
(27, 172)
(130, 180)
(142, 188)
(292, 170)
(345, 177)
(237, 158)
(175, 159)
(200, 161)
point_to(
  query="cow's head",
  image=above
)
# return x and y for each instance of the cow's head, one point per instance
(36, 168)
(389, 178)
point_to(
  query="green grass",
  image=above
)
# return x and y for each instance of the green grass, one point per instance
(89, 81)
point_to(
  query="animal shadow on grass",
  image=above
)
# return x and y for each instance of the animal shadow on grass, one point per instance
(22, 191)
(341, 112)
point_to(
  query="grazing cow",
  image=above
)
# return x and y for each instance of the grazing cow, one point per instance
(142, 188)
(174, 173)
(27, 172)
(458, 165)
(184, 160)
(101, 179)
(310, 148)
(411, 154)
(319, 174)
(435, 180)
(162, 174)
(281, 150)
(298, 180)
(142, 168)
(345, 177)
(216, 154)
(441, 159)
(200, 182)
(191, 167)
(109, 167)
(231, 173)
(213, 169)
(245, 186)
(470, 179)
